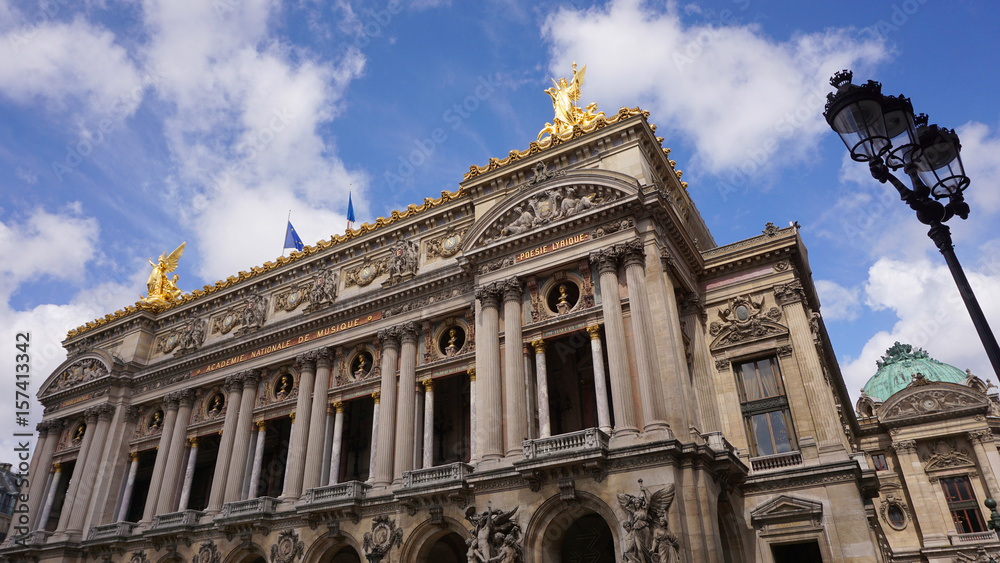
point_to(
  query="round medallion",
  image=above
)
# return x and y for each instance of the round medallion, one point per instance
(929, 404)
(293, 298)
(228, 321)
(742, 313)
(366, 274)
(451, 243)
(172, 341)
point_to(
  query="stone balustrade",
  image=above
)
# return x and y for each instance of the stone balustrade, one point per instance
(176, 519)
(351, 490)
(582, 441)
(436, 475)
(777, 461)
(114, 531)
(250, 508)
(974, 537)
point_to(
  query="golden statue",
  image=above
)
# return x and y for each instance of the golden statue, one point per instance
(161, 288)
(564, 97)
(79, 432)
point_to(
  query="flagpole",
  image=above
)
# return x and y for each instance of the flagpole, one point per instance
(287, 222)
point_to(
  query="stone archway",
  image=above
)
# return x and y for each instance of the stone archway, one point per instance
(589, 538)
(556, 520)
(251, 554)
(441, 542)
(332, 548)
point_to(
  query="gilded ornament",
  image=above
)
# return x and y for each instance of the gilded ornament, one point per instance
(161, 289)
(567, 115)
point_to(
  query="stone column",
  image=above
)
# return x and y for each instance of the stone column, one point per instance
(680, 398)
(418, 427)
(101, 414)
(387, 411)
(514, 383)
(826, 422)
(170, 404)
(49, 432)
(473, 450)
(530, 389)
(258, 458)
(701, 358)
(327, 446)
(376, 397)
(925, 505)
(233, 385)
(985, 447)
(542, 385)
(650, 389)
(489, 429)
(295, 469)
(317, 413)
(188, 474)
(50, 498)
(405, 406)
(133, 466)
(600, 386)
(241, 440)
(428, 423)
(622, 398)
(338, 443)
(175, 457)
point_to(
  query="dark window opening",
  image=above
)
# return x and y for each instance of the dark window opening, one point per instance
(60, 498)
(272, 470)
(805, 552)
(570, 374)
(204, 472)
(452, 412)
(356, 448)
(450, 548)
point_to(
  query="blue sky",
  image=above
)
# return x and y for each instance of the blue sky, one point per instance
(129, 127)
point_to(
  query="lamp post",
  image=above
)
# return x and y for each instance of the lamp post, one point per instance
(882, 131)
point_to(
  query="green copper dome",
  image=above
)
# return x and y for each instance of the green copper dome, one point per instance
(898, 366)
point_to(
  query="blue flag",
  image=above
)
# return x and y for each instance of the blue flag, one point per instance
(292, 239)
(350, 210)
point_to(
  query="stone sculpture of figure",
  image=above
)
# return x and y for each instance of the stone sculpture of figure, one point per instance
(80, 431)
(216, 406)
(523, 221)
(160, 288)
(452, 348)
(564, 96)
(571, 205)
(284, 387)
(324, 287)
(647, 526)
(404, 259)
(193, 335)
(157, 420)
(255, 312)
(563, 305)
(510, 552)
(491, 530)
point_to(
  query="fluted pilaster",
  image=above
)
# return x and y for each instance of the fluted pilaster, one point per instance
(170, 405)
(48, 438)
(622, 399)
(317, 422)
(514, 383)
(406, 406)
(101, 416)
(241, 441)
(175, 457)
(387, 408)
(489, 430)
(234, 387)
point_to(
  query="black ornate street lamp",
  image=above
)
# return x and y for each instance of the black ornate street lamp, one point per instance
(882, 131)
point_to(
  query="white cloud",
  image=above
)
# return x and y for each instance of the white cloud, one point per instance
(55, 62)
(747, 100)
(839, 302)
(932, 315)
(56, 245)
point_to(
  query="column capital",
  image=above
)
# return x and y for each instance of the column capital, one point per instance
(904, 446)
(985, 436)
(489, 295)
(408, 333)
(193, 441)
(102, 412)
(307, 360)
(594, 331)
(513, 289)
(789, 293)
(324, 357)
(691, 305)
(132, 413)
(338, 406)
(389, 337)
(133, 456)
(56, 467)
(539, 346)
(261, 425)
(667, 260)
(185, 397)
(291, 415)
(376, 396)
(606, 260)
(428, 384)
(172, 400)
(234, 382)
(634, 252)
(472, 373)
(251, 378)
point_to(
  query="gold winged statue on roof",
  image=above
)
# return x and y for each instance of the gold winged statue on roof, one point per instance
(564, 97)
(162, 289)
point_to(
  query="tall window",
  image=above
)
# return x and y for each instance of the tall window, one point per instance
(765, 407)
(962, 504)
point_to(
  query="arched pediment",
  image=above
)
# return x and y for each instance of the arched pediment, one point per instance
(933, 399)
(76, 371)
(744, 320)
(548, 198)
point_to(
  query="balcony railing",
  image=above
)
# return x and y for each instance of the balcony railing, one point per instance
(974, 537)
(453, 472)
(248, 508)
(111, 531)
(351, 490)
(176, 519)
(778, 461)
(583, 441)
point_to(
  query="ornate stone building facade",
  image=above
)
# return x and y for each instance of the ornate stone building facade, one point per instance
(927, 428)
(555, 362)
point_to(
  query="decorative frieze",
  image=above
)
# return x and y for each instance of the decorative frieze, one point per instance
(447, 244)
(744, 319)
(366, 272)
(79, 372)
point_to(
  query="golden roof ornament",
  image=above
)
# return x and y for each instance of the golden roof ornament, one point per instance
(163, 290)
(564, 97)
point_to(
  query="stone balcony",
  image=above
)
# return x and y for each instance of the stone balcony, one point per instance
(342, 500)
(974, 538)
(435, 486)
(582, 452)
(436, 476)
(775, 462)
(117, 531)
(174, 520)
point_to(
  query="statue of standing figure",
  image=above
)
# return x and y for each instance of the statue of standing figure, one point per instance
(648, 538)
(495, 537)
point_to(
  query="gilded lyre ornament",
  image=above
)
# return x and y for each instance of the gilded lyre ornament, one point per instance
(564, 97)
(163, 289)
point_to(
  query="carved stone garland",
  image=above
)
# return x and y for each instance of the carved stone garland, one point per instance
(745, 319)
(288, 548)
(383, 537)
